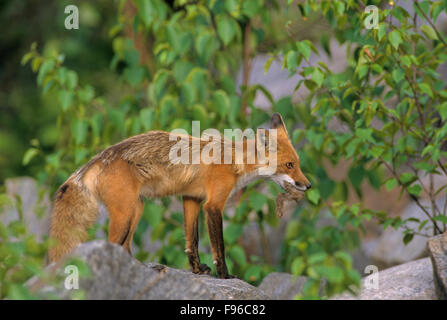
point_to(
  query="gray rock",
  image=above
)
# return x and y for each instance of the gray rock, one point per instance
(437, 247)
(116, 275)
(409, 281)
(282, 286)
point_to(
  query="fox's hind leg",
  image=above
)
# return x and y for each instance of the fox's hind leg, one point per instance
(133, 225)
(191, 208)
(119, 191)
(122, 214)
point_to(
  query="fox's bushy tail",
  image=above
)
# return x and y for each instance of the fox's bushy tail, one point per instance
(75, 210)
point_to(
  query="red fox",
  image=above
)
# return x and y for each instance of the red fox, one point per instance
(137, 167)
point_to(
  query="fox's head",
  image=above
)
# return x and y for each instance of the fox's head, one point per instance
(287, 160)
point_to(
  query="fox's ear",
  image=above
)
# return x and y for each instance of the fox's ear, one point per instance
(278, 123)
(263, 136)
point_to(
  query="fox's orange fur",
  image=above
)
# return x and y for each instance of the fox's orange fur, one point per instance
(120, 176)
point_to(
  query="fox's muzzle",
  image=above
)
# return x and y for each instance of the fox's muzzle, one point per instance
(303, 187)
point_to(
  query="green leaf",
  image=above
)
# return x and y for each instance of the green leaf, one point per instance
(28, 56)
(362, 71)
(390, 184)
(377, 68)
(222, 102)
(116, 117)
(268, 63)
(80, 155)
(395, 38)
(313, 195)
(253, 273)
(425, 88)
(134, 75)
(79, 130)
(257, 200)
(317, 258)
(376, 151)
(398, 75)
(429, 32)
(131, 56)
(443, 111)
(206, 45)
(331, 273)
(382, 31)
(72, 79)
(408, 237)
(318, 77)
(406, 60)
(199, 113)
(153, 213)
(226, 28)
(292, 61)
(29, 155)
(304, 49)
(298, 266)
(86, 94)
(233, 232)
(415, 189)
(167, 108)
(147, 118)
(147, 11)
(407, 177)
(427, 149)
(441, 218)
(238, 255)
(250, 8)
(66, 98)
(160, 83)
(356, 175)
(46, 67)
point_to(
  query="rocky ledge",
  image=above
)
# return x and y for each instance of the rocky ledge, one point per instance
(115, 275)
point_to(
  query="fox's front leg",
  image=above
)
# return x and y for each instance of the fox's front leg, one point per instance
(191, 208)
(214, 223)
(216, 198)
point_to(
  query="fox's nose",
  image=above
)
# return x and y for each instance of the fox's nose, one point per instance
(299, 184)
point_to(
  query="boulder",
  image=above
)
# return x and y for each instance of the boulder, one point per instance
(409, 281)
(116, 275)
(437, 247)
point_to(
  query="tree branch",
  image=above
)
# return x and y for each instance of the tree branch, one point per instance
(413, 197)
(431, 23)
(247, 64)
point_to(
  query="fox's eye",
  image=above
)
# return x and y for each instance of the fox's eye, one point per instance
(289, 165)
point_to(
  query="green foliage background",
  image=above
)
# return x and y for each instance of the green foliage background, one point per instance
(152, 64)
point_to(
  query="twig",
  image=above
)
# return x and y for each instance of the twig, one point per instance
(431, 23)
(247, 64)
(413, 197)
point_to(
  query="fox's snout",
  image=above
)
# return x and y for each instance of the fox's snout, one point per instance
(306, 185)
(301, 181)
